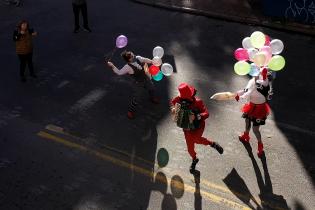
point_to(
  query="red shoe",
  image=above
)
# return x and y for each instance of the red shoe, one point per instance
(244, 137)
(155, 100)
(260, 151)
(131, 115)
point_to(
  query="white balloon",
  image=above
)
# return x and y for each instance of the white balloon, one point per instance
(251, 53)
(157, 61)
(167, 69)
(158, 52)
(246, 43)
(276, 46)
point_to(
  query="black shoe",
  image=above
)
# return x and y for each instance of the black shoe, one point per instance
(76, 30)
(193, 165)
(217, 146)
(23, 79)
(87, 29)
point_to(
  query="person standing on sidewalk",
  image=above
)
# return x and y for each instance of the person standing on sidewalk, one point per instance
(199, 113)
(80, 5)
(23, 36)
(135, 67)
(255, 112)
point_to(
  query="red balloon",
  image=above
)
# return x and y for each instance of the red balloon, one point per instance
(154, 70)
(241, 54)
(267, 42)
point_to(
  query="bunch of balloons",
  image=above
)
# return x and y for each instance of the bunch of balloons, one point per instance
(261, 51)
(154, 69)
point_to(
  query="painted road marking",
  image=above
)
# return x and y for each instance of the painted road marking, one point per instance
(87, 101)
(210, 196)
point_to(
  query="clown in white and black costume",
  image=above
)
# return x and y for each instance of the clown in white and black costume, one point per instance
(257, 93)
(142, 80)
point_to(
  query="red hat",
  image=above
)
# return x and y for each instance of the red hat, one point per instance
(186, 91)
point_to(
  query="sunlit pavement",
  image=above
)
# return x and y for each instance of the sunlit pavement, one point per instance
(65, 141)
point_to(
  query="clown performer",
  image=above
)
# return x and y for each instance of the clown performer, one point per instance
(136, 67)
(257, 92)
(187, 94)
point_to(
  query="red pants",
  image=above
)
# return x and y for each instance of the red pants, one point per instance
(195, 137)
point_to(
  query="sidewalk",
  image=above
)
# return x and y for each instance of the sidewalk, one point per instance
(243, 11)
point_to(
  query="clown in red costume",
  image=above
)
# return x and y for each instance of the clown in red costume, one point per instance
(187, 94)
(256, 110)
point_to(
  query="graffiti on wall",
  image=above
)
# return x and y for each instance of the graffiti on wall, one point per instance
(301, 10)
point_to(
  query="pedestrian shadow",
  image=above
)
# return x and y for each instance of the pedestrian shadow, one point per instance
(269, 200)
(238, 187)
(197, 195)
(177, 190)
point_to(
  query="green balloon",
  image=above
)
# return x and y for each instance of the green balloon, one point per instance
(242, 68)
(258, 39)
(276, 63)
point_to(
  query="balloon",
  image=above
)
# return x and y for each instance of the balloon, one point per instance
(276, 63)
(158, 76)
(246, 43)
(241, 68)
(254, 70)
(257, 39)
(276, 46)
(267, 42)
(251, 53)
(153, 70)
(158, 52)
(167, 69)
(157, 61)
(268, 53)
(260, 59)
(241, 54)
(121, 41)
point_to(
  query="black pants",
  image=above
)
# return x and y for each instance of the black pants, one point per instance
(26, 59)
(76, 11)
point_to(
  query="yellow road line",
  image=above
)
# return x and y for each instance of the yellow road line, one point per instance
(60, 130)
(212, 197)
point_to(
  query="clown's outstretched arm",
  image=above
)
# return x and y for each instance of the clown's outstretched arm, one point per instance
(144, 60)
(245, 93)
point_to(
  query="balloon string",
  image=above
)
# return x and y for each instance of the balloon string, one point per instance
(111, 54)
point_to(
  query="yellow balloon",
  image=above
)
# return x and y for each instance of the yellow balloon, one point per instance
(260, 59)
(258, 39)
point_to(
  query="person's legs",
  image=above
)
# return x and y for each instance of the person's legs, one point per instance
(30, 64)
(76, 11)
(85, 17)
(245, 136)
(137, 89)
(151, 90)
(23, 61)
(258, 136)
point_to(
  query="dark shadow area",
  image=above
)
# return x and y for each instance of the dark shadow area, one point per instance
(269, 200)
(239, 188)
(160, 184)
(197, 195)
(299, 206)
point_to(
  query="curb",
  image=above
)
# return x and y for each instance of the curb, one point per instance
(292, 26)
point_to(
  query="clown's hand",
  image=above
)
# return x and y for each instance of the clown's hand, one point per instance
(237, 97)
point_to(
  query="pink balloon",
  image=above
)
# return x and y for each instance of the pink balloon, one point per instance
(267, 42)
(241, 54)
(268, 52)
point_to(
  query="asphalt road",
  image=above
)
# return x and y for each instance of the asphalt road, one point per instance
(65, 141)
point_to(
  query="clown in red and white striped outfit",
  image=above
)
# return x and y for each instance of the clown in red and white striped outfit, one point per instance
(256, 110)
